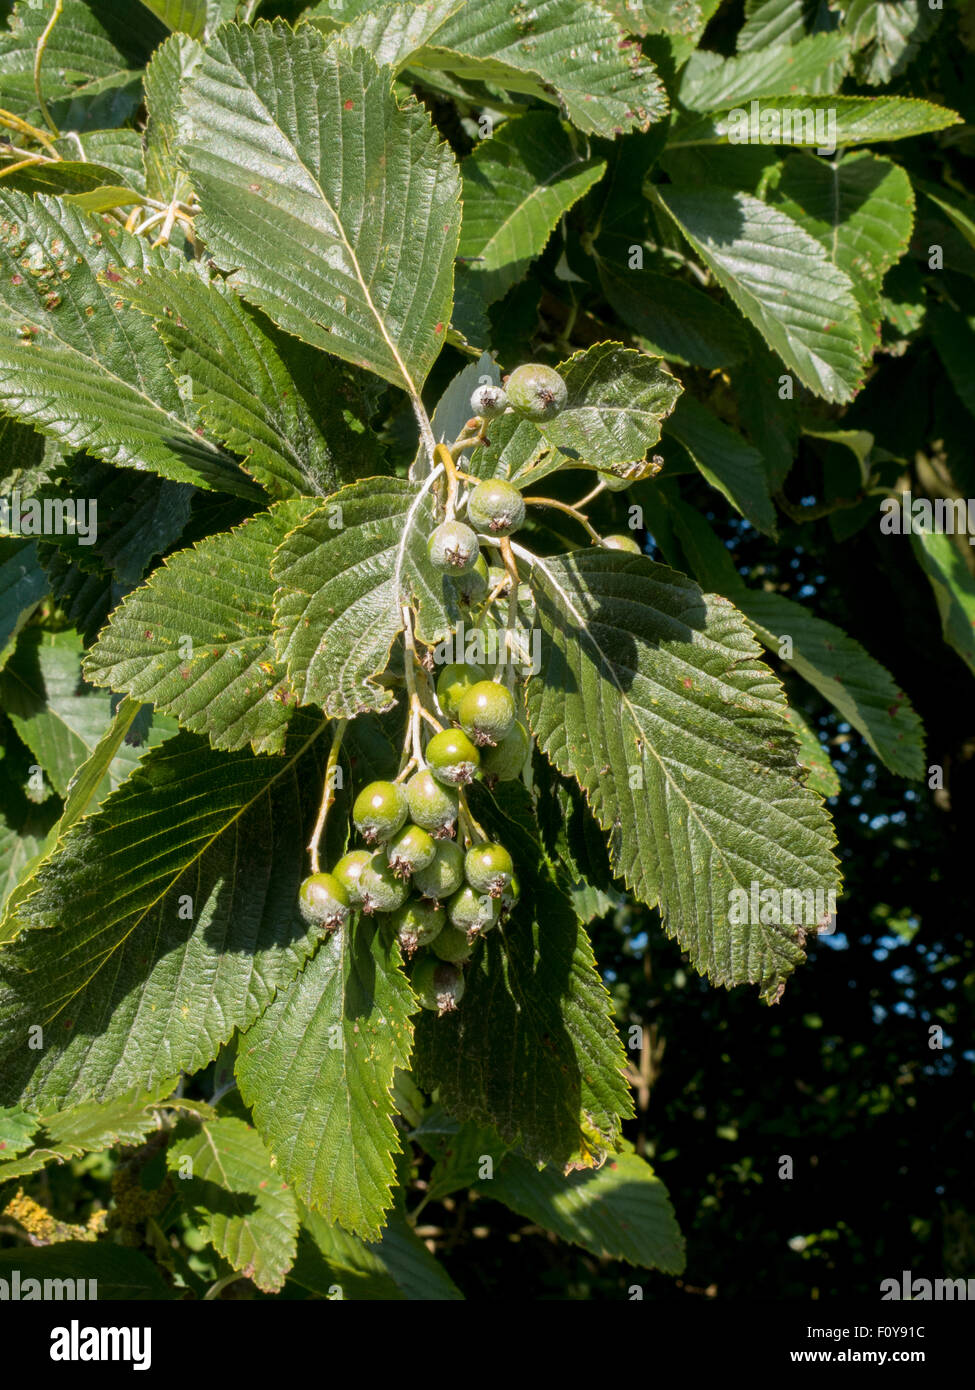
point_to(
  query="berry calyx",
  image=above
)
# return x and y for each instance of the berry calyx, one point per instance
(432, 807)
(536, 391)
(473, 913)
(496, 508)
(323, 901)
(489, 401)
(453, 758)
(488, 869)
(348, 870)
(441, 879)
(438, 985)
(504, 762)
(379, 811)
(486, 713)
(453, 548)
(411, 849)
(455, 680)
(417, 924)
(380, 890)
(626, 543)
(453, 945)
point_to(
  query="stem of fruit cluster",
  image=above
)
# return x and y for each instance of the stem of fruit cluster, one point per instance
(443, 455)
(8, 118)
(328, 795)
(38, 60)
(469, 827)
(590, 496)
(569, 510)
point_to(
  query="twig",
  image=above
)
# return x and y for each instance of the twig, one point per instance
(570, 511)
(39, 58)
(328, 795)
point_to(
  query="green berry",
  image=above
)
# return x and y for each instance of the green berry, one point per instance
(486, 713)
(348, 869)
(411, 849)
(444, 876)
(323, 901)
(453, 945)
(453, 759)
(504, 762)
(489, 402)
(473, 913)
(472, 587)
(379, 811)
(536, 391)
(437, 984)
(417, 924)
(496, 508)
(379, 888)
(488, 869)
(622, 543)
(456, 678)
(432, 806)
(453, 548)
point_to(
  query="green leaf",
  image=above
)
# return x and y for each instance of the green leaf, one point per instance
(337, 210)
(118, 150)
(58, 719)
(22, 586)
(172, 63)
(620, 1212)
(672, 319)
(243, 1206)
(772, 22)
(197, 641)
(140, 957)
(517, 185)
(336, 1264)
(953, 335)
(290, 411)
(565, 51)
(725, 459)
(861, 209)
(650, 694)
(184, 16)
(959, 211)
(89, 72)
(88, 1128)
(710, 81)
(118, 1273)
(888, 35)
(532, 1051)
(617, 399)
(317, 1069)
(814, 756)
(781, 279)
(805, 120)
(343, 577)
(953, 588)
(17, 1130)
(392, 33)
(79, 365)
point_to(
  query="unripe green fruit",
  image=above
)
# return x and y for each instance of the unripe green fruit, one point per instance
(615, 482)
(453, 945)
(323, 901)
(417, 924)
(454, 680)
(411, 849)
(473, 913)
(348, 869)
(486, 713)
(437, 984)
(489, 402)
(505, 762)
(488, 869)
(453, 548)
(536, 391)
(380, 889)
(622, 543)
(471, 587)
(379, 811)
(496, 507)
(432, 806)
(510, 895)
(441, 879)
(453, 759)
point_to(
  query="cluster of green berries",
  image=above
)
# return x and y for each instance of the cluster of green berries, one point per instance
(415, 874)
(495, 507)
